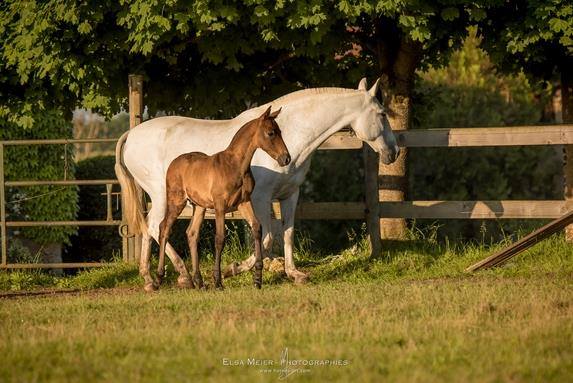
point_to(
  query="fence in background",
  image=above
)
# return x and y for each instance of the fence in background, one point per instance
(5, 224)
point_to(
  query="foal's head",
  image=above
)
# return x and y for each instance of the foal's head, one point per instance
(269, 138)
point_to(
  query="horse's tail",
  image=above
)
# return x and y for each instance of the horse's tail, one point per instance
(132, 204)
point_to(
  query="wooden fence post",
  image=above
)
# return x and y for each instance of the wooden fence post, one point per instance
(567, 110)
(135, 118)
(371, 198)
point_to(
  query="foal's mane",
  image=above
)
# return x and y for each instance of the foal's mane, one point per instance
(311, 91)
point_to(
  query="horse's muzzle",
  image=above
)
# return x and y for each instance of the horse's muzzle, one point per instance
(284, 159)
(390, 156)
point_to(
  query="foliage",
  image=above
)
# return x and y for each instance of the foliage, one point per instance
(40, 162)
(334, 176)
(533, 35)
(78, 54)
(470, 92)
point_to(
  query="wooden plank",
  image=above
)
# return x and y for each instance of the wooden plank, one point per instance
(494, 136)
(61, 223)
(524, 243)
(419, 209)
(475, 209)
(305, 210)
(372, 212)
(54, 265)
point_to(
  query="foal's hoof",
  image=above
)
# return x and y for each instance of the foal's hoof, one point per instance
(185, 283)
(219, 286)
(199, 283)
(231, 270)
(150, 287)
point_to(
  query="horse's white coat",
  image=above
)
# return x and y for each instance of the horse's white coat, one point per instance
(307, 119)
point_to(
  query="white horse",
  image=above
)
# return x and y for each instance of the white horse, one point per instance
(307, 119)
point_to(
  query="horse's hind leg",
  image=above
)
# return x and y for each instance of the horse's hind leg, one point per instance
(175, 204)
(149, 284)
(155, 216)
(192, 238)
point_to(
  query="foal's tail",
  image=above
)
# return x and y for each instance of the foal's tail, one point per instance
(130, 199)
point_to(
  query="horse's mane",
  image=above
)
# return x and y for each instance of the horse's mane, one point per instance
(310, 91)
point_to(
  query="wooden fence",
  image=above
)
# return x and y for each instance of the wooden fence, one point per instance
(371, 210)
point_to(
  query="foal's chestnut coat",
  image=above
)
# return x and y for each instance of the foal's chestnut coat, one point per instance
(222, 182)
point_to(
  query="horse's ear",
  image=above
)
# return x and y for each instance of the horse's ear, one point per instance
(362, 84)
(374, 88)
(275, 113)
(266, 114)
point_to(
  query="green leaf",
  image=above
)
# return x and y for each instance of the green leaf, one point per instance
(450, 13)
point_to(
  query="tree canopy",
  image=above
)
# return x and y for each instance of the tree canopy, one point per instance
(533, 35)
(209, 57)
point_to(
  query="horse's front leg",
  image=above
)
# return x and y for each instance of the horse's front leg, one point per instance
(219, 243)
(246, 210)
(288, 208)
(262, 208)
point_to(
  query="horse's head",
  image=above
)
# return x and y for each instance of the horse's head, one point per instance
(372, 126)
(269, 137)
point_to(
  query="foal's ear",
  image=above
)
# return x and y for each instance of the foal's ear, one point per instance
(266, 114)
(275, 113)
(362, 84)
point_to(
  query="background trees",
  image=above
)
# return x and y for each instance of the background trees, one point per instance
(211, 58)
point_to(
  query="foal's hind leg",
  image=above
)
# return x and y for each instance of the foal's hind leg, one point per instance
(175, 203)
(192, 239)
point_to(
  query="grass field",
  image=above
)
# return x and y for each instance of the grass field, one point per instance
(411, 315)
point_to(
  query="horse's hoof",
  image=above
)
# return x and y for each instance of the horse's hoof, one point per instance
(258, 285)
(231, 270)
(219, 286)
(185, 283)
(150, 287)
(298, 277)
(267, 263)
(277, 265)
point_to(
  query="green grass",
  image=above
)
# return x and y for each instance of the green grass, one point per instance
(410, 315)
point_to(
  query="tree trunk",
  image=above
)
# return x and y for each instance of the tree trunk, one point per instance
(398, 61)
(393, 181)
(567, 110)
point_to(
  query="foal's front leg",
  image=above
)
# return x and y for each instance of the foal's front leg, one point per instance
(219, 243)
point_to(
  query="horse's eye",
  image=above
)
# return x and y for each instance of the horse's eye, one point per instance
(271, 133)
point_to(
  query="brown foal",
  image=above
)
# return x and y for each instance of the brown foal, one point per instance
(223, 182)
